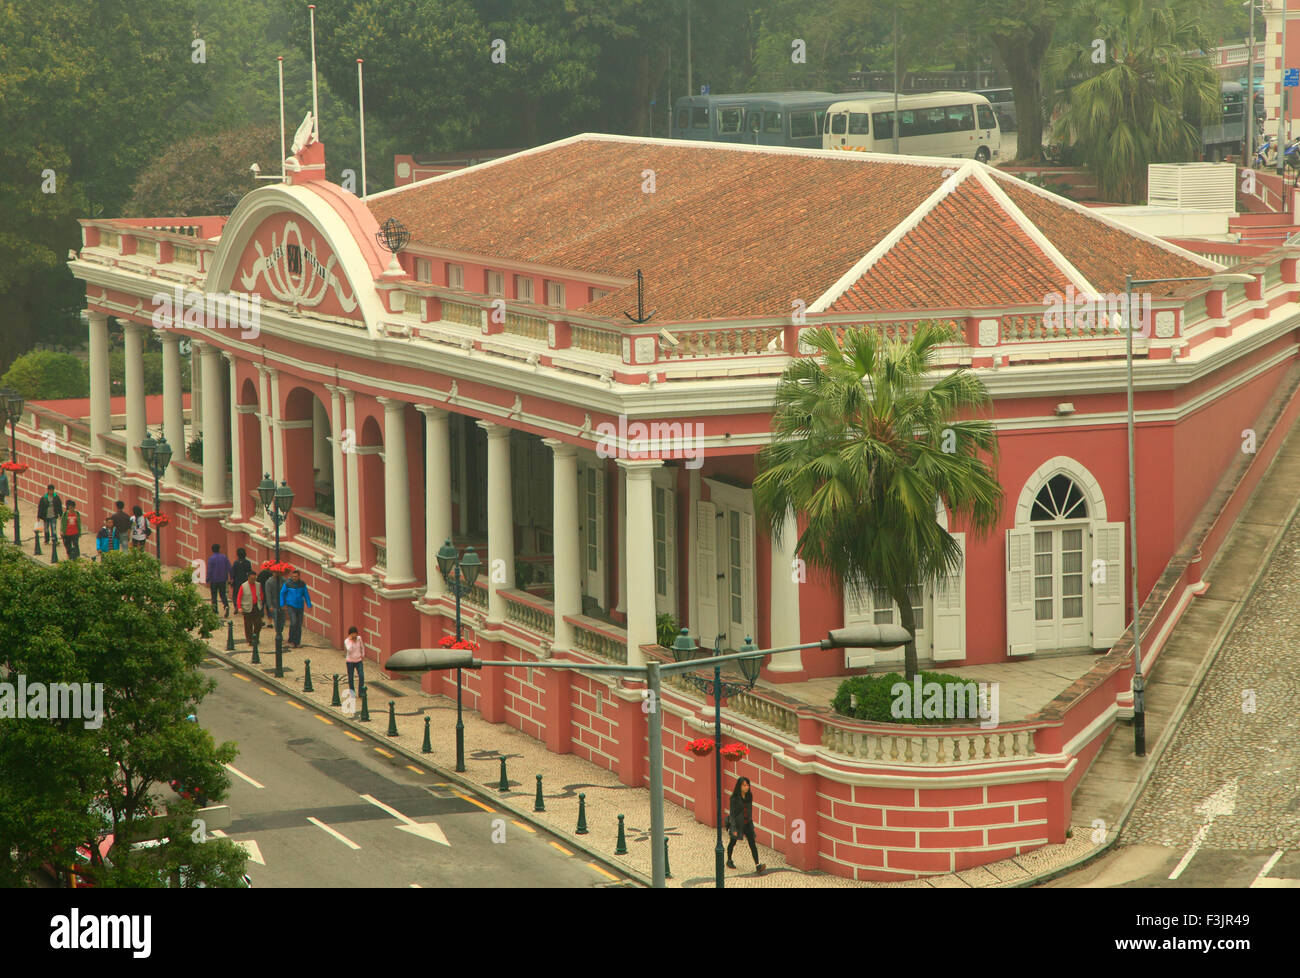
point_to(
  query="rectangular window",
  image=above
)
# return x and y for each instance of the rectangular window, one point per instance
(423, 270)
(661, 540)
(590, 514)
(838, 121)
(987, 119)
(859, 124)
(555, 294)
(683, 118)
(1043, 575)
(772, 122)
(883, 124)
(961, 118)
(455, 276)
(295, 259)
(733, 575)
(730, 119)
(496, 283)
(524, 288)
(699, 117)
(598, 293)
(803, 125)
(1072, 573)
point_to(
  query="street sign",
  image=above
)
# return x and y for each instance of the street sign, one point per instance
(1291, 78)
(704, 89)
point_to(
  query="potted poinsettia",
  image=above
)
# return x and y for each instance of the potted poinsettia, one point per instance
(734, 752)
(702, 747)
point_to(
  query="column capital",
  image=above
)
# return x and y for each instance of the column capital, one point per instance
(494, 430)
(97, 318)
(169, 336)
(562, 449)
(335, 388)
(639, 468)
(432, 411)
(229, 355)
(130, 325)
(392, 403)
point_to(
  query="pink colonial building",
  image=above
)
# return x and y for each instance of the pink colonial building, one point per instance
(486, 385)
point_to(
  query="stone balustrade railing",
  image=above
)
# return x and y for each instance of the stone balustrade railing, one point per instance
(116, 447)
(762, 709)
(532, 613)
(601, 639)
(927, 745)
(381, 551)
(189, 476)
(315, 526)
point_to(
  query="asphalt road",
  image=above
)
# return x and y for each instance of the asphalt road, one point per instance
(320, 808)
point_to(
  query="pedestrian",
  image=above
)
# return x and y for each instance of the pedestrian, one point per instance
(269, 592)
(218, 575)
(48, 510)
(139, 528)
(105, 539)
(121, 526)
(248, 603)
(740, 822)
(293, 597)
(70, 530)
(241, 569)
(355, 659)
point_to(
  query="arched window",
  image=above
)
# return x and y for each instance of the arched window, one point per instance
(1060, 498)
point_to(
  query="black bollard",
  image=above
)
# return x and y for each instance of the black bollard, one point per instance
(392, 720)
(230, 635)
(505, 783)
(307, 687)
(620, 848)
(668, 870)
(428, 747)
(539, 804)
(334, 700)
(582, 815)
(365, 705)
(257, 659)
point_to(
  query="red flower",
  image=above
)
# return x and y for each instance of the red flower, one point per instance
(156, 518)
(701, 747)
(14, 466)
(734, 752)
(446, 642)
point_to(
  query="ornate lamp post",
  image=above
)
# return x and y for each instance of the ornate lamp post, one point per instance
(460, 574)
(13, 410)
(157, 456)
(684, 649)
(278, 502)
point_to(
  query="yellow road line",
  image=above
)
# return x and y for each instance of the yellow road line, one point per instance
(562, 849)
(603, 871)
(352, 735)
(412, 767)
(524, 825)
(268, 692)
(240, 675)
(380, 750)
(473, 801)
(296, 706)
(325, 720)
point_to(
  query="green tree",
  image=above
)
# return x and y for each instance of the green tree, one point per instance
(1147, 101)
(114, 622)
(46, 375)
(1021, 31)
(866, 436)
(194, 177)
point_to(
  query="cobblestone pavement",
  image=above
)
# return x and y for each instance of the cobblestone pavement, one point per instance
(1242, 728)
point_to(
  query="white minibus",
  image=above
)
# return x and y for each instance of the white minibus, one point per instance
(959, 124)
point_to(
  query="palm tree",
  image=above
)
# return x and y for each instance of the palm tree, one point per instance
(1147, 99)
(865, 440)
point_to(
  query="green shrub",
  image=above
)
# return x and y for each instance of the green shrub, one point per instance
(871, 697)
(46, 375)
(666, 629)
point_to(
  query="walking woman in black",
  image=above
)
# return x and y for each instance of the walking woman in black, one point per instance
(740, 821)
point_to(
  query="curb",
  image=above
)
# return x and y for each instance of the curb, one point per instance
(1194, 687)
(451, 776)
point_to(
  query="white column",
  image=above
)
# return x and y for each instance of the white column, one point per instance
(564, 533)
(135, 408)
(437, 494)
(214, 433)
(173, 401)
(264, 424)
(236, 443)
(354, 484)
(501, 526)
(784, 598)
(620, 572)
(277, 431)
(338, 473)
(101, 415)
(320, 439)
(196, 389)
(637, 550)
(397, 493)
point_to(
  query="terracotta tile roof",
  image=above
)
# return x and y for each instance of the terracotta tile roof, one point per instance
(731, 232)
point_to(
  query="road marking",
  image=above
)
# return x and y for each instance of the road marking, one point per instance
(238, 773)
(325, 720)
(524, 825)
(562, 849)
(1222, 802)
(338, 835)
(603, 871)
(268, 692)
(425, 830)
(391, 811)
(1264, 882)
(352, 735)
(380, 750)
(412, 767)
(240, 675)
(474, 801)
(296, 706)
(416, 886)
(248, 845)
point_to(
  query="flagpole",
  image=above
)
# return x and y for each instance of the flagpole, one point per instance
(280, 61)
(315, 108)
(361, 104)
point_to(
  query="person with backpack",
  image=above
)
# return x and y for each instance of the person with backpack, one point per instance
(121, 520)
(70, 530)
(249, 604)
(218, 575)
(140, 529)
(105, 539)
(294, 597)
(740, 822)
(48, 511)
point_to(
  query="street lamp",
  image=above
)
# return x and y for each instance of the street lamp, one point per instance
(684, 649)
(13, 410)
(853, 637)
(277, 502)
(1139, 684)
(157, 456)
(459, 573)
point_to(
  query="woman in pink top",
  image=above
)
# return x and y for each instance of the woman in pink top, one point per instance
(356, 653)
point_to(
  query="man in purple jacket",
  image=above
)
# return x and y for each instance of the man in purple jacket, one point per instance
(218, 575)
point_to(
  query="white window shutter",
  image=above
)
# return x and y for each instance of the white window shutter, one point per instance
(1020, 591)
(858, 610)
(706, 573)
(602, 549)
(670, 549)
(1108, 597)
(747, 583)
(949, 619)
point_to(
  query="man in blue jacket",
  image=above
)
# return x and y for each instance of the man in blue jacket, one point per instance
(294, 596)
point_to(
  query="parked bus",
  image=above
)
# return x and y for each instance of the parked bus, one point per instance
(959, 124)
(763, 118)
(1219, 139)
(1004, 106)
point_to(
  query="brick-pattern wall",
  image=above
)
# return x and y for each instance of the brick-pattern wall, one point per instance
(317, 618)
(679, 785)
(901, 833)
(592, 728)
(371, 625)
(525, 710)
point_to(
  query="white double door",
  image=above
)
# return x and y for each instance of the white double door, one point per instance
(725, 568)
